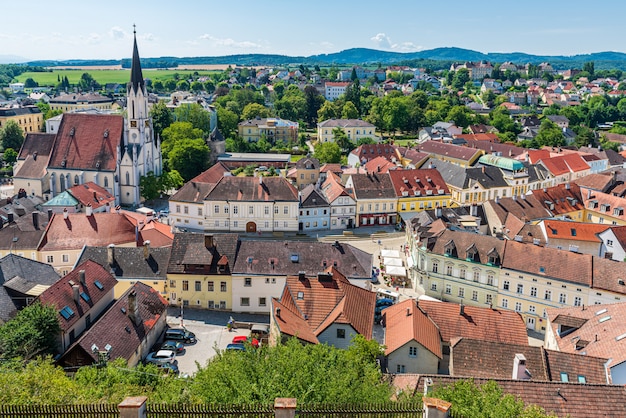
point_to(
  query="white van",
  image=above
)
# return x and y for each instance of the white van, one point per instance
(388, 294)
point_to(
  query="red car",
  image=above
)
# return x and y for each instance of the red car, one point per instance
(240, 339)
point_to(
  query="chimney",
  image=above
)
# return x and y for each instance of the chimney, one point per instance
(260, 179)
(462, 309)
(301, 275)
(111, 254)
(81, 274)
(277, 312)
(588, 193)
(133, 307)
(482, 169)
(10, 217)
(95, 196)
(88, 210)
(614, 176)
(566, 186)
(75, 293)
(408, 311)
(497, 200)
(65, 213)
(438, 212)
(36, 220)
(208, 241)
(519, 368)
(146, 249)
(49, 214)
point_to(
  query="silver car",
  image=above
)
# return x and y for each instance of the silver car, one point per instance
(161, 356)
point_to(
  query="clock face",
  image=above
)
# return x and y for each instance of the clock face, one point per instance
(134, 135)
(133, 123)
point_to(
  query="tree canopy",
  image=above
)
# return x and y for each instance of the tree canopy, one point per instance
(33, 332)
(11, 135)
(327, 152)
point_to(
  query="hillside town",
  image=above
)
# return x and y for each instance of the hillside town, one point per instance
(472, 222)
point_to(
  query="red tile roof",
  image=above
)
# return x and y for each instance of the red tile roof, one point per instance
(595, 181)
(88, 142)
(597, 334)
(321, 302)
(607, 204)
(368, 152)
(99, 229)
(449, 150)
(91, 194)
(577, 231)
(379, 165)
(564, 198)
(421, 181)
(406, 322)
(60, 294)
(534, 156)
(489, 137)
(479, 323)
(550, 262)
(333, 188)
(250, 189)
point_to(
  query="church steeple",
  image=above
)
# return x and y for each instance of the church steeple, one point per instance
(136, 77)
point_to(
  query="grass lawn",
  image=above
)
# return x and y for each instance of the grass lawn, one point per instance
(295, 158)
(103, 76)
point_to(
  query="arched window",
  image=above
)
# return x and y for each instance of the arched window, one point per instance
(106, 182)
(127, 177)
(76, 179)
(62, 181)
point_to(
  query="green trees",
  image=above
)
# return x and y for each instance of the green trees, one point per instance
(549, 134)
(162, 117)
(189, 158)
(151, 186)
(327, 152)
(349, 111)
(485, 401)
(33, 332)
(196, 115)
(314, 102)
(253, 110)
(461, 76)
(227, 121)
(328, 110)
(11, 135)
(88, 83)
(10, 156)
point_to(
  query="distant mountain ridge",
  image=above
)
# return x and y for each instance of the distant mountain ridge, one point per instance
(607, 59)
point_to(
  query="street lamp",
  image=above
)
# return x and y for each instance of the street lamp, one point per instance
(182, 325)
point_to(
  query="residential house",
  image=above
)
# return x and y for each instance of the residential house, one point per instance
(567, 167)
(613, 243)
(411, 158)
(149, 229)
(468, 357)
(477, 70)
(306, 171)
(603, 208)
(67, 234)
(563, 200)
(462, 156)
(495, 148)
(314, 210)
(28, 118)
(322, 309)
(200, 268)
(364, 153)
(234, 160)
(80, 101)
(328, 168)
(508, 215)
(376, 165)
(595, 330)
(355, 129)
(22, 281)
(438, 134)
(261, 270)
(21, 226)
(485, 324)
(412, 339)
(191, 196)
(130, 265)
(573, 236)
(335, 89)
(560, 121)
(418, 190)
(601, 182)
(78, 198)
(128, 330)
(248, 204)
(375, 198)
(342, 203)
(29, 170)
(274, 130)
(80, 297)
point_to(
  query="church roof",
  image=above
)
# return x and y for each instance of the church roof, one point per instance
(136, 77)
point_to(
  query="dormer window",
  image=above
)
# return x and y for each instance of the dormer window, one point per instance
(618, 211)
(450, 249)
(472, 253)
(493, 257)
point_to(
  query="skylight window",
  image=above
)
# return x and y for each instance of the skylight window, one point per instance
(582, 379)
(604, 319)
(620, 337)
(564, 377)
(99, 285)
(85, 297)
(601, 311)
(66, 312)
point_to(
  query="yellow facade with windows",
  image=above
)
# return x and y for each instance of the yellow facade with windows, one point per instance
(200, 290)
(29, 118)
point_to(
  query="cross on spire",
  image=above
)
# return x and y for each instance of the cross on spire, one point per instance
(134, 29)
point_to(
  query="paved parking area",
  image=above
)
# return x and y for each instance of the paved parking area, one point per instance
(211, 334)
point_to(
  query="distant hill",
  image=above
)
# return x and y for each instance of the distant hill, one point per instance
(606, 59)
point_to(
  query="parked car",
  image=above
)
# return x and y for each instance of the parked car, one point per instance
(242, 339)
(260, 331)
(175, 346)
(161, 356)
(236, 347)
(180, 334)
(384, 302)
(169, 368)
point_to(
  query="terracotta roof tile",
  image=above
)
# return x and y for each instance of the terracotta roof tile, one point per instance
(422, 181)
(577, 231)
(35, 154)
(449, 150)
(91, 194)
(476, 322)
(60, 294)
(379, 165)
(88, 142)
(608, 204)
(560, 199)
(99, 229)
(406, 322)
(271, 189)
(595, 181)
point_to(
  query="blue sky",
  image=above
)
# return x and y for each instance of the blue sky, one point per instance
(65, 29)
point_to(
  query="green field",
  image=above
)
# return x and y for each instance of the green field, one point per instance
(103, 76)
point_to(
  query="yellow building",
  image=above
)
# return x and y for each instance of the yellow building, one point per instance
(28, 118)
(354, 129)
(419, 190)
(376, 201)
(602, 208)
(272, 129)
(199, 270)
(80, 101)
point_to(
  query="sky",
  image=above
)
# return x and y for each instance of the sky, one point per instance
(72, 29)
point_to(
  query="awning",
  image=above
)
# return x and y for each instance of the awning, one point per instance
(390, 253)
(409, 261)
(407, 216)
(396, 271)
(388, 261)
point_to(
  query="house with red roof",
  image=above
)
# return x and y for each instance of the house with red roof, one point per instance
(80, 298)
(573, 236)
(613, 243)
(412, 339)
(342, 203)
(127, 330)
(326, 308)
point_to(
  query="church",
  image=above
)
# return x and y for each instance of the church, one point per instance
(113, 151)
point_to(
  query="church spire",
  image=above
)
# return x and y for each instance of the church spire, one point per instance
(136, 77)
